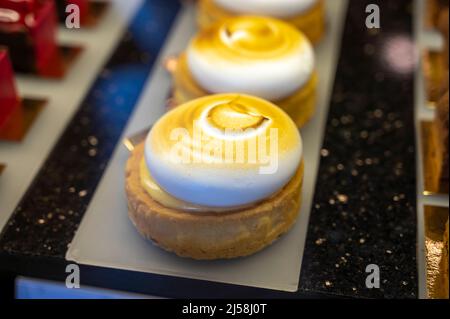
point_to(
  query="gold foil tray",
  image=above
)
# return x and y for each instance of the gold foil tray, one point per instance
(431, 186)
(60, 64)
(30, 111)
(437, 280)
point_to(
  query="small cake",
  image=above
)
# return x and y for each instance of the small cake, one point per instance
(28, 29)
(306, 15)
(438, 149)
(253, 55)
(218, 177)
(11, 117)
(83, 6)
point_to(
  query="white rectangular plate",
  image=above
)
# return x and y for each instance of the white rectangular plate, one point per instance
(107, 238)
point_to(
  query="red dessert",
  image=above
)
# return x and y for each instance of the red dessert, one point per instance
(28, 29)
(11, 116)
(19, 5)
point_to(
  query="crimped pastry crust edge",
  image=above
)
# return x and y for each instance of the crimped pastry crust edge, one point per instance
(208, 236)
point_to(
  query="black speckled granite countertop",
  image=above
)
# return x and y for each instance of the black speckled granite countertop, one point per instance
(365, 201)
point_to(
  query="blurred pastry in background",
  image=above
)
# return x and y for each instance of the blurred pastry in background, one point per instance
(436, 63)
(438, 150)
(28, 29)
(218, 177)
(436, 76)
(443, 28)
(253, 55)
(433, 11)
(437, 157)
(306, 15)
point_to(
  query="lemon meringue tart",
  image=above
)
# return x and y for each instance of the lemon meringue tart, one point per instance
(254, 55)
(306, 15)
(216, 178)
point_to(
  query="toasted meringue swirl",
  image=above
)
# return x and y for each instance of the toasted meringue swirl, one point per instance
(274, 8)
(223, 151)
(254, 55)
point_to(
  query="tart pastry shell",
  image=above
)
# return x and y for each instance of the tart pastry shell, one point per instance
(209, 236)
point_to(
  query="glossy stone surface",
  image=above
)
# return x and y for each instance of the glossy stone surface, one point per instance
(365, 202)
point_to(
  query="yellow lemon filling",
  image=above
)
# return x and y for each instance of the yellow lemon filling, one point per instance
(158, 194)
(161, 196)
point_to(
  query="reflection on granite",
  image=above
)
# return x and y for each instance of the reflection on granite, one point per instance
(365, 201)
(48, 215)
